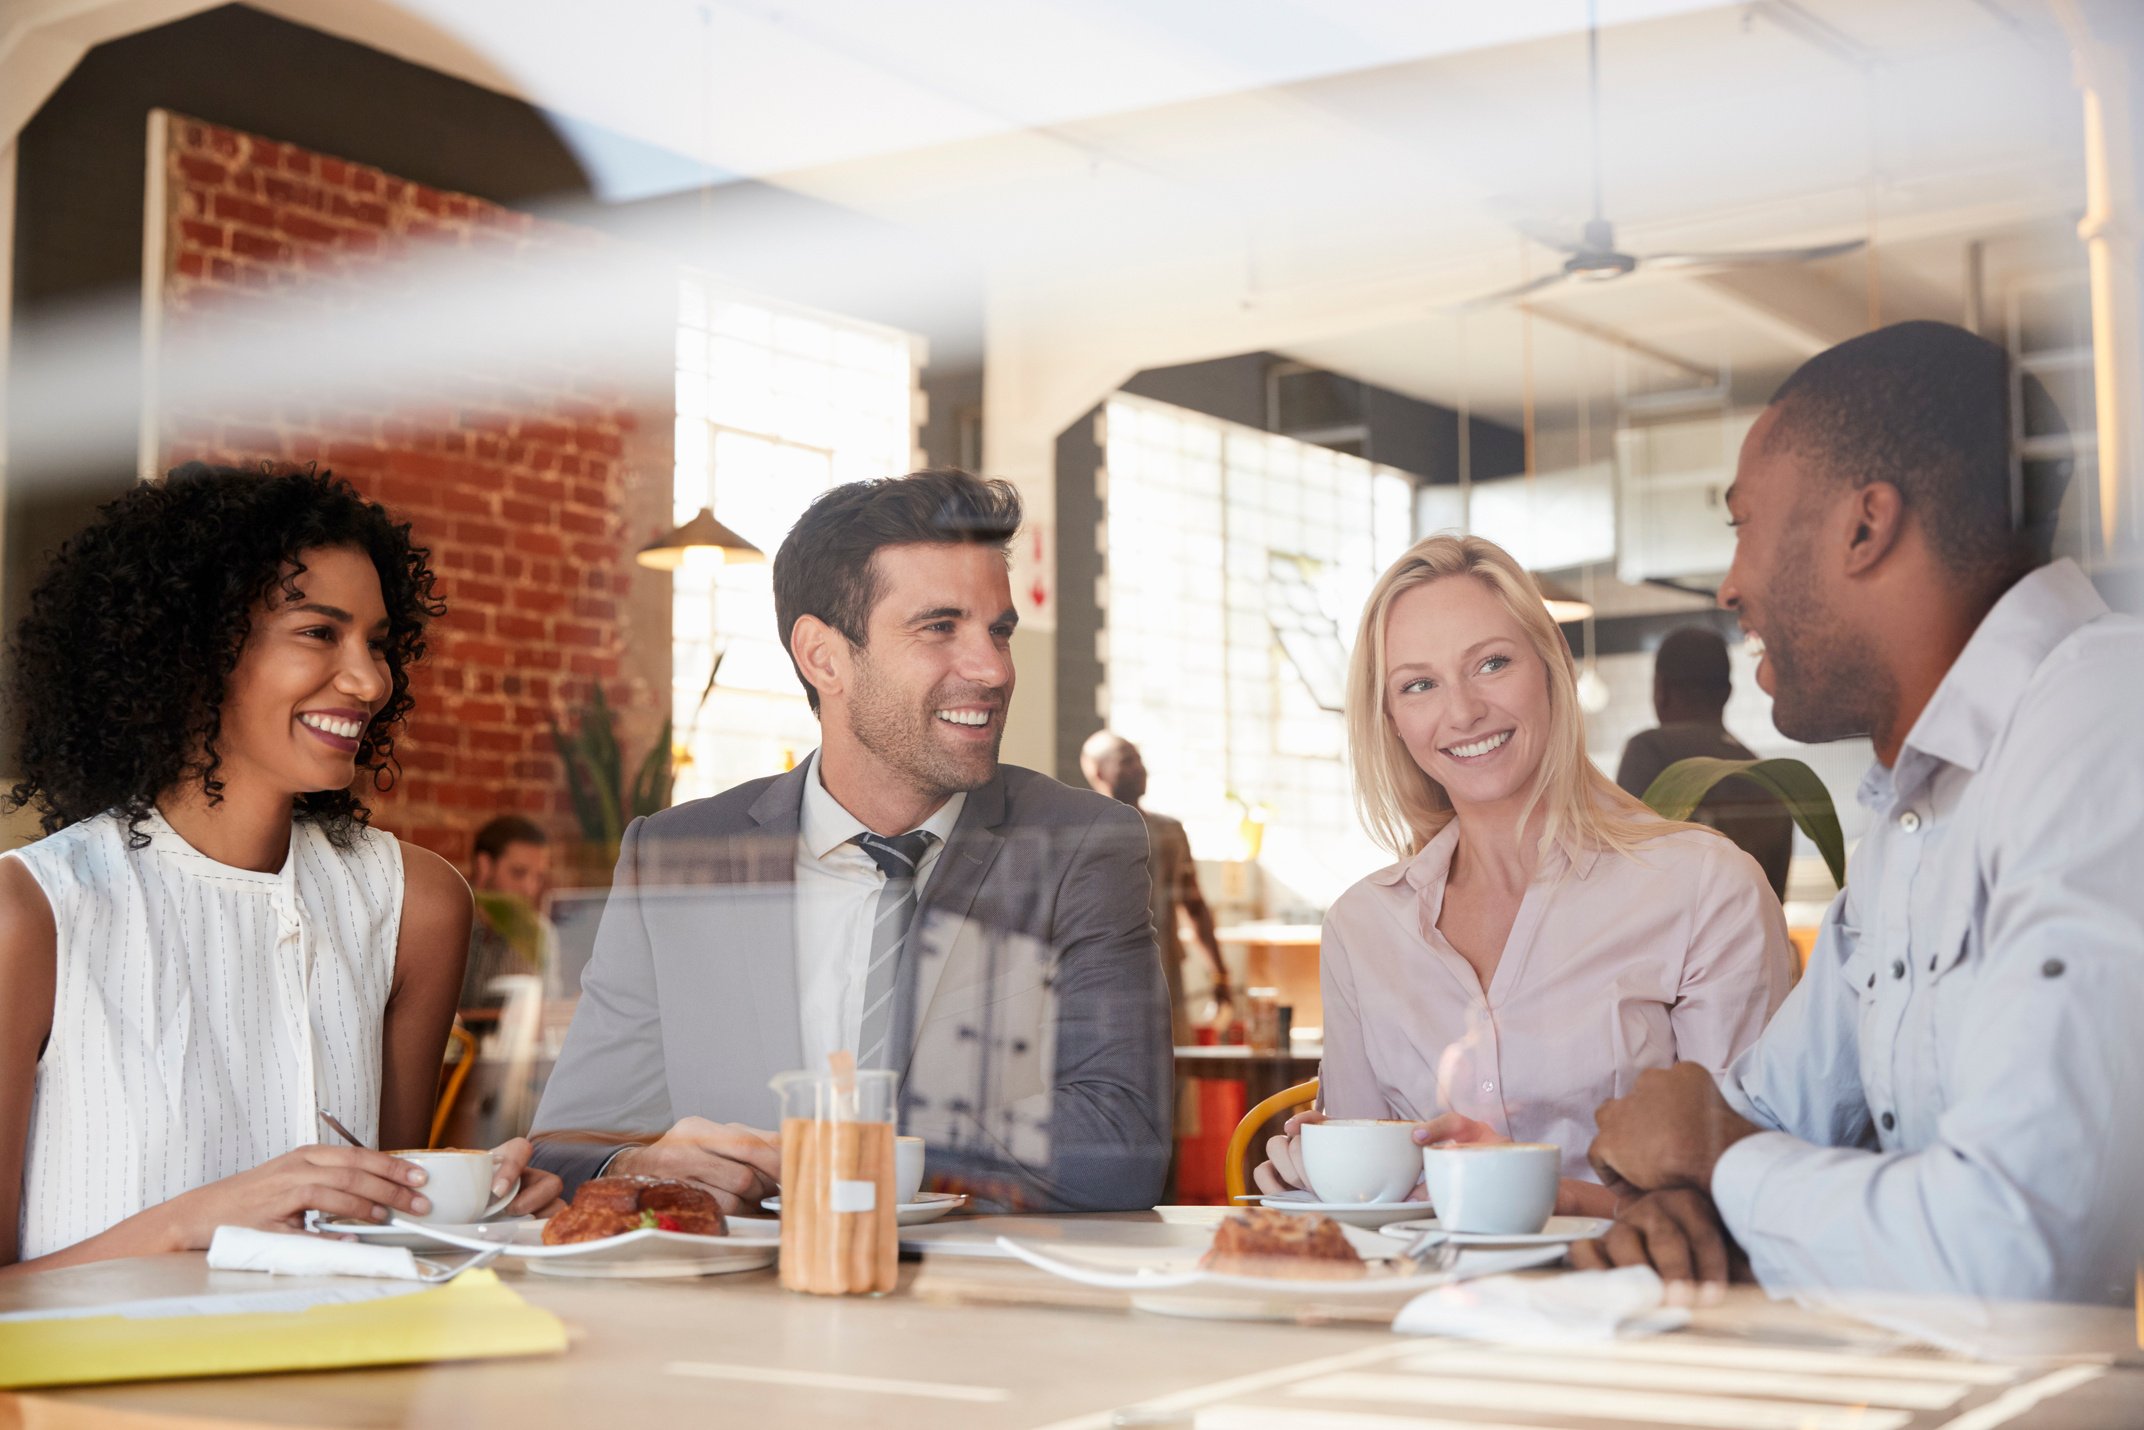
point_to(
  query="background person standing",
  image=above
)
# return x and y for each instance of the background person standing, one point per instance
(1690, 690)
(1112, 765)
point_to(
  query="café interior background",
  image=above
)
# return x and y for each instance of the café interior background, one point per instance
(550, 278)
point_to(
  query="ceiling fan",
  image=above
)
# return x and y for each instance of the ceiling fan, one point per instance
(1594, 257)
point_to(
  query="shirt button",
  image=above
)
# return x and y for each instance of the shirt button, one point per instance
(1898, 968)
(1889, 1122)
(2052, 968)
(1488, 1087)
(1909, 821)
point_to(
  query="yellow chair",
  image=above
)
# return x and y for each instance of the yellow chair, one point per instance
(456, 1076)
(1234, 1174)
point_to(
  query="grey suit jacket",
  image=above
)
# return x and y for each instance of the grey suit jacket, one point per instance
(1038, 1065)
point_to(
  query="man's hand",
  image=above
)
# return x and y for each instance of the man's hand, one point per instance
(1669, 1132)
(1677, 1232)
(736, 1164)
(539, 1194)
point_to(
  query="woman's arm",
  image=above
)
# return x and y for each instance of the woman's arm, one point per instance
(432, 945)
(341, 1180)
(29, 964)
(1738, 964)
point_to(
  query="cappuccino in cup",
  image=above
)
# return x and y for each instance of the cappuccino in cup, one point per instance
(1360, 1159)
(1497, 1188)
(457, 1181)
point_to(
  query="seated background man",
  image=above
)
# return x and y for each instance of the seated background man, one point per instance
(1951, 1102)
(979, 928)
(1690, 690)
(512, 858)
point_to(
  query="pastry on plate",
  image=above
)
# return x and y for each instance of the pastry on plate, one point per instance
(612, 1206)
(1296, 1245)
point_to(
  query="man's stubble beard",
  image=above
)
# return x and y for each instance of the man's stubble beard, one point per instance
(900, 737)
(1826, 683)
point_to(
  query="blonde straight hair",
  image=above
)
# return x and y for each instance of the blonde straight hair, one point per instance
(1401, 806)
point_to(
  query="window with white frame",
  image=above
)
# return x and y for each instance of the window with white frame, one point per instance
(1238, 563)
(774, 405)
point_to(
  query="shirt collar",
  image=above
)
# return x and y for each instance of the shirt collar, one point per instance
(1984, 684)
(824, 824)
(1433, 863)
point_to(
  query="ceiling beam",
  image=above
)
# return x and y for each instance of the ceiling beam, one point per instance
(1802, 309)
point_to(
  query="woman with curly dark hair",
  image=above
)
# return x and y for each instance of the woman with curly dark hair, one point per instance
(211, 943)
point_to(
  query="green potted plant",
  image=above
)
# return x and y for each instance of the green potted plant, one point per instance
(1683, 784)
(605, 798)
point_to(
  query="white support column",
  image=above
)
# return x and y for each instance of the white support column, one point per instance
(2113, 235)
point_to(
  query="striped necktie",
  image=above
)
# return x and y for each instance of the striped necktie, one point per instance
(898, 859)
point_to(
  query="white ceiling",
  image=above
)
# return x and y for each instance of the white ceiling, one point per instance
(1168, 170)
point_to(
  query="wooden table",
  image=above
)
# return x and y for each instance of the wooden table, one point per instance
(946, 1353)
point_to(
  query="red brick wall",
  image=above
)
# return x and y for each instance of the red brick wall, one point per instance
(516, 480)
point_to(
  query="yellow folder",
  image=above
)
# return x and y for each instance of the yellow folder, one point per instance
(473, 1317)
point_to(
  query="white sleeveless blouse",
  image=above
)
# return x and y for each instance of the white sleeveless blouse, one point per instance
(200, 1015)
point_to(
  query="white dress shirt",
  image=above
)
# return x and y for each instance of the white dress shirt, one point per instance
(837, 902)
(1958, 1082)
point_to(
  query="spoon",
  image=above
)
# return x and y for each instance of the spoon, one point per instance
(347, 1135)
(1430, 1252)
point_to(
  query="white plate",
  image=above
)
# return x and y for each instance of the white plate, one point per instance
(1173, 1285)
(636, 1253)
(928, 1206)
(1368, 1215)
(415, 1235)
(1559, 1231)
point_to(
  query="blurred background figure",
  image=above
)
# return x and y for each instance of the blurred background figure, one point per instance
(1690, 690)
(509, 870)
(1112, 765)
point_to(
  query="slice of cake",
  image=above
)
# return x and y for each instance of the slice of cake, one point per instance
(1300, 1245)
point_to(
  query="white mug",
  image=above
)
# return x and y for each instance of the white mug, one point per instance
(457, 1182)
(907, 1169)
(1360, 1160)
(1498, 1188)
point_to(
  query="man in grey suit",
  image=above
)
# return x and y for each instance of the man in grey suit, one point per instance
(981, 929)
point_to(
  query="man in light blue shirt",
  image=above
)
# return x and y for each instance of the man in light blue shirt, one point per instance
(1951, 1102)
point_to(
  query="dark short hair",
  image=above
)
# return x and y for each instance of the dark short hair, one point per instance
(825, 567)
(1693, 659)
(1927, 408)
(121, 666)
(506, 829)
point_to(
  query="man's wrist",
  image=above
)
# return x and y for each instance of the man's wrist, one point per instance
(1732, 1130)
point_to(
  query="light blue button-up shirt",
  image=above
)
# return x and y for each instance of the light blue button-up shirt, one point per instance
(1957, 1084)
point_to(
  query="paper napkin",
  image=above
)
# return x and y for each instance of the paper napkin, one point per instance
(242, 1248)
(1573, 1309)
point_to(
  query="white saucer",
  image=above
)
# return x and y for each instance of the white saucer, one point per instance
(1557, 1231)
(390, 1235)
(928, 1206)
(641, 1253)
(1173, 1284)
(1369, 1215)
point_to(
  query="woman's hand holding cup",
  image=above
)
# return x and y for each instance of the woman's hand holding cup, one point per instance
(1282, 1171)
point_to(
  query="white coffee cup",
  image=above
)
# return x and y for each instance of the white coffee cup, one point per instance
(1360, 1160)
(907, 1169)
(1498, 1188)
(457, 1182)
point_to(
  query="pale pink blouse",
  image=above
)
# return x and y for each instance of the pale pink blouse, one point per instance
(1617, 963)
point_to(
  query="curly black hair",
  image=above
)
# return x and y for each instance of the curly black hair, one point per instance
(119, 671)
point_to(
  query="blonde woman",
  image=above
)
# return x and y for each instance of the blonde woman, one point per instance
(1544, 937)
